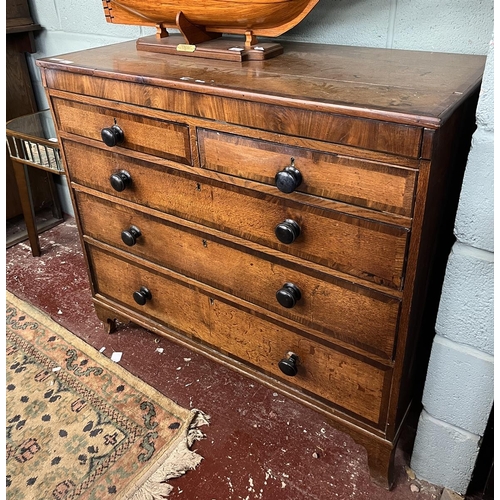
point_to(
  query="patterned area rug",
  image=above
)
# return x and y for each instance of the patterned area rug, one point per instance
(79, 426)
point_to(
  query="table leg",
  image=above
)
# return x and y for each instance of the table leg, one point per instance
(20, 171)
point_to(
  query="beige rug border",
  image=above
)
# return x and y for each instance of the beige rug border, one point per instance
(192, 418)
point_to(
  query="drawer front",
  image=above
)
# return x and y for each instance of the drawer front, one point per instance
(359, 182)
(375, 135)
(354, 314)
(348, 382)
(141, 133)
(371, 250)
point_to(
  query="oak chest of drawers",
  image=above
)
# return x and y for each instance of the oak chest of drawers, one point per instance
(288, 217)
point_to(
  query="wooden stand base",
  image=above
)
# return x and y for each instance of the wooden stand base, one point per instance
(227, 49)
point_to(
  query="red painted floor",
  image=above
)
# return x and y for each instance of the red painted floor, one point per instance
(259, 445)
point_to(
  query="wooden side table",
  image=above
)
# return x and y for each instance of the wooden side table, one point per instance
(32, 142)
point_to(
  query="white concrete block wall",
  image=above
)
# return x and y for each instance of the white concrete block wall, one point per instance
(458, 394)
(343, 22)
(432, 25)
(468, 287)
(459, 381)
(465, 316)
(444, 25)
(460, 447)
(474, 225)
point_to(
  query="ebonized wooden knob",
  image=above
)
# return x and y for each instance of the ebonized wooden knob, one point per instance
(288, 295)
(288, 365)
(288, 180)
(111, 136)
(120, 180)
(287, 232)
(130, 235)
(142, 295)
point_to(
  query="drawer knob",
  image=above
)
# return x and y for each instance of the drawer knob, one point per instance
(120, 180)
(288, 180)
(130, 235)
(288, 295)
(142, 295)
(288, 365)
(287, 232)
(111, 136)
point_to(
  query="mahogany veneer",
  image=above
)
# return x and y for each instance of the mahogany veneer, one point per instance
(288, 218)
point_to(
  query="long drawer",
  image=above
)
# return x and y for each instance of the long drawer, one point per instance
(361, 247)
(374, 135)
(141, 133)
(365, 183)
(335, 307)
(354, 384)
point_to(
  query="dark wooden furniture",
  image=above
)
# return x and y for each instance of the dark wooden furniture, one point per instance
(32, 142)
(20, 101)
(282, 217)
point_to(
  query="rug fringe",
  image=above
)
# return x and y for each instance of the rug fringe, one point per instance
(181, 460)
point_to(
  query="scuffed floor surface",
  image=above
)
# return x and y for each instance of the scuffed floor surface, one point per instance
(259, 445)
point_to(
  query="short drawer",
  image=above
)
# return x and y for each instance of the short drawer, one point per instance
(361, 247)
(140, 133)
(360, 182)
(335, 307)
(354, 384)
